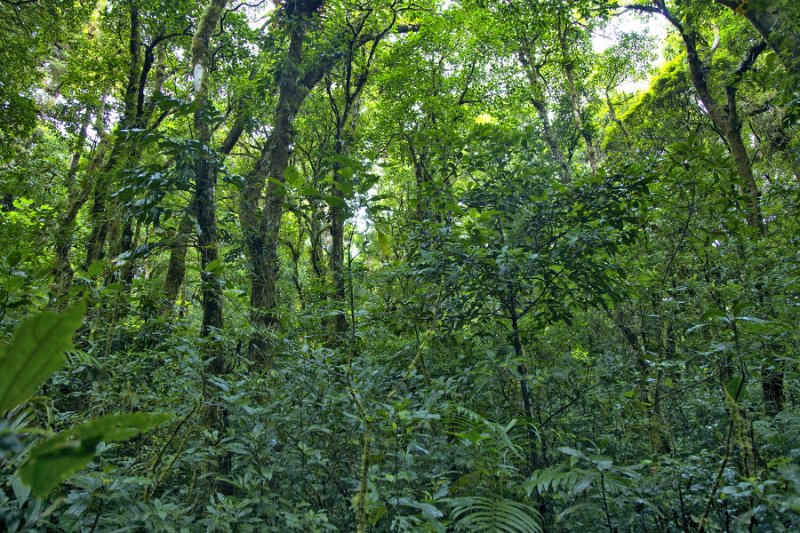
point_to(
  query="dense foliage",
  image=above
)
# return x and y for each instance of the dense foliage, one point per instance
(399, 265)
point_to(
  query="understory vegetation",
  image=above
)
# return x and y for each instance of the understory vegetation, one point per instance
(399, 265)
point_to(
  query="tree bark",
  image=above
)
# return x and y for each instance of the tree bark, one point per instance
(205, 183)
(338, 322)
(726, 119)
(99, 215)
(261, 227)
(75, 199)
(527, 404)
(176, 271)
(424, 181)
(205, 210)
(778, 23)
(533, 72)
(574, 98)
(345, 113)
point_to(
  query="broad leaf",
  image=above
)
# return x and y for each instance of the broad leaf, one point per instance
(36, 351)
(57, 458)
(735, 388)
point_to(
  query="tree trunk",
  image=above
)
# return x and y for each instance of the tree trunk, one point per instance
(99, 215)
(205, 183)
(550, 139)
(205, 209)
(63, 238)
(346, 114)
(727, 121)
(574, 98)
(338, 322)
(745, 171)
(778, 22)
(317, 230)
(423, 179)
(262, 229)
(612, 114)
(772, 388)
(176, 271)
(527, 404)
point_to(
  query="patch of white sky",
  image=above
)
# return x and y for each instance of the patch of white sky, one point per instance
(629, 22)
(257, 14)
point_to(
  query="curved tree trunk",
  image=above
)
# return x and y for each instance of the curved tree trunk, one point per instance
(76, 197)
(538, 101)
(778, 22)
(726, 119)
(176, 271)
(100, 217)
(338, 322)
(575, 103)
(65, 232)
(262, 227)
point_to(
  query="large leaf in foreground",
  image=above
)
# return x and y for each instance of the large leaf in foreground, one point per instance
(36, 351)
(54, 460)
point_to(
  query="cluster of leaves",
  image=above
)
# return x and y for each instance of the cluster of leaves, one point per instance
(513, 293)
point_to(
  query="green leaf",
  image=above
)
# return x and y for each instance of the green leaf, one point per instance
(57, 458)
(335, 201)
(713, 314)
(428, 510)
(383, 243)
(215, 267)
(293, 177)
(36, 351)
(735, 388)
(96, 268)
(14, 258)
(477, 513)
(573, 452)
(740, 308)
(696, 327)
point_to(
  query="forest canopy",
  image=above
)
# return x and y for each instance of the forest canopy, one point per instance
(399, 265)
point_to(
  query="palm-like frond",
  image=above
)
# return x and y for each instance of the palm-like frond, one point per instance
(479, 513)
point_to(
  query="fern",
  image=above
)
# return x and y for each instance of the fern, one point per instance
(471, 427)
(615, 479)
(478, 513)
(556, 480)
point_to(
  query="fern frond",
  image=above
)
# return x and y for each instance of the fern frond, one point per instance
(479, 513)
(555, 480)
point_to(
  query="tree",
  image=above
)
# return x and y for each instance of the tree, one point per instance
(399, 266)
(205, 178)
(525, 242)
(777, 23)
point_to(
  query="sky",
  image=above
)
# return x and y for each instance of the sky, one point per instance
(630, 22)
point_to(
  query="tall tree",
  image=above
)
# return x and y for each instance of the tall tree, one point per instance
(205, 205)
(344, 94)
(298, 75)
